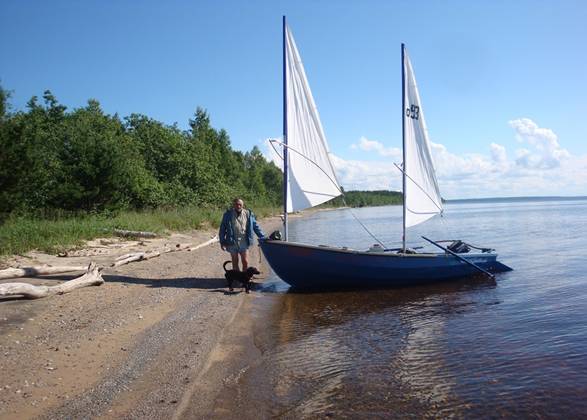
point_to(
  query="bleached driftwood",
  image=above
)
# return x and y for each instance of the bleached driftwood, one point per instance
(209, 242)
(139, 256)
(95, 250)
(134, 234)
(177, 247)
(12, 273)
(92, 277)
(125, 256)
(181, 247)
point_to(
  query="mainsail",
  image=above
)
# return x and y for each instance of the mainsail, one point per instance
(421, 194)
(311, 177)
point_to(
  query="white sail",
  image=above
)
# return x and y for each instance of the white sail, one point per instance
(311, 177)
(421, 193)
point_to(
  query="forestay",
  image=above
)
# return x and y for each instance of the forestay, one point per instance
(421, 193)
(311, 177)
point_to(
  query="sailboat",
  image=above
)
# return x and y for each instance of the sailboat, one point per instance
(310, 180)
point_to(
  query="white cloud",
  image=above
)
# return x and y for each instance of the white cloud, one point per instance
(548, 153)
(498, 153)
(367, 175)
(375, 146)
(541, 167)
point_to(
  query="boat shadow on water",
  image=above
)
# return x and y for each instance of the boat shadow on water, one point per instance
(318, 308)
(449, 286)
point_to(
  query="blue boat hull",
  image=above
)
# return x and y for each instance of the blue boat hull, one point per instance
(317, 267)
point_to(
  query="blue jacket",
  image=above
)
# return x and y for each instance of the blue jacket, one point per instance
(226, 232)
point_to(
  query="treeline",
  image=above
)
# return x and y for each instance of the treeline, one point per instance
(85, 159)
(366, 199)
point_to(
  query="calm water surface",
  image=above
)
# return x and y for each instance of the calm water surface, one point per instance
(513, 347)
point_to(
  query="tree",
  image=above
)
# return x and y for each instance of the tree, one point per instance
(4, 105)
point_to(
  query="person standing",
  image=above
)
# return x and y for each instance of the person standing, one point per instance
(236, 233)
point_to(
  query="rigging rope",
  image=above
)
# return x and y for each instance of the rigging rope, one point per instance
(271, 141)
(418, 185)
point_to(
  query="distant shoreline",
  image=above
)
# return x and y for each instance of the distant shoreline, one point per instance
(516, 199)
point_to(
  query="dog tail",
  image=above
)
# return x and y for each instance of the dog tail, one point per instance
(224, 265)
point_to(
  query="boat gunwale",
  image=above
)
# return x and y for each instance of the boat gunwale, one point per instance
(372, 253)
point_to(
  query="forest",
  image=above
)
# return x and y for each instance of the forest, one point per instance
(87, 160)
(366, 199)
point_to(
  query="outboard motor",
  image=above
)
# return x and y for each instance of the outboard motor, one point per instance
(375, 248)
(275, 235)
(459, 247)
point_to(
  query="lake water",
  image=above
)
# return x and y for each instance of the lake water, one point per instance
(511, 347)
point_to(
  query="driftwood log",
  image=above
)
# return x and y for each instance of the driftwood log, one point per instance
(12, 273)
(177, 247)
(134, 234)
(209, 242)
(92, 277)
(139, 256)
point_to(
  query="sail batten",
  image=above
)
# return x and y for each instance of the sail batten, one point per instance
(421, 193)
(311, 177)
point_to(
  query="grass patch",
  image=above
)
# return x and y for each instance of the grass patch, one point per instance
(20, 234)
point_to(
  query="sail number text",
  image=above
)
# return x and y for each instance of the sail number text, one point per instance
(413, 112)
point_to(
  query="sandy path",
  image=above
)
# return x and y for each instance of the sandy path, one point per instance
(136, 347)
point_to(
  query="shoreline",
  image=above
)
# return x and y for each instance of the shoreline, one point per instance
(140, 345)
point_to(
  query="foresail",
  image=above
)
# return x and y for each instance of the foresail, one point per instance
(421, 194)
(311, 177)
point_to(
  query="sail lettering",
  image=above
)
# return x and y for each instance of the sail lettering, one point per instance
(413, 112)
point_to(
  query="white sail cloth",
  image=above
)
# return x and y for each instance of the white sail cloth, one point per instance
(311, 177)
(421, 193)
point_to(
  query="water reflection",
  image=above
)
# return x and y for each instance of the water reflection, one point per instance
(360, 352)
(473, 348)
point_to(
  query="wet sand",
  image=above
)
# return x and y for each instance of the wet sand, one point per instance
(150, 343)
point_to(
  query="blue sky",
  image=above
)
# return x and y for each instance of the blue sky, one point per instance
(503, 83)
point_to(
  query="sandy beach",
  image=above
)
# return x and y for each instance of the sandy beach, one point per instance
(146, 344)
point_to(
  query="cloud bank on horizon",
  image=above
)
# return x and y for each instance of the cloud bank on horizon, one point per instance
(540, 166)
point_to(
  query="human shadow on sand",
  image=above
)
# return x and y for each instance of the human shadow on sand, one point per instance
(207, 283)
(212, 284)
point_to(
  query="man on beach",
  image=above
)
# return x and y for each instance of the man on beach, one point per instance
(236, 232)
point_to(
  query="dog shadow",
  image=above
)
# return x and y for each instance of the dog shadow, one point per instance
(230, 293)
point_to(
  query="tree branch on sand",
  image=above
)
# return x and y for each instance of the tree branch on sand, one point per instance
(134, 234)
(208, 242)
(141, 256)
(12, 273)
(92, 277)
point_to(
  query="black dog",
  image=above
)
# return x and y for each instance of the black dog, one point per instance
(242, 276)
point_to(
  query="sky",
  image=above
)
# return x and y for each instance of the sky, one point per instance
(503, 84)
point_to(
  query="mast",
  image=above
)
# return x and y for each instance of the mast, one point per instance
(404, 149)
(285, 177)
